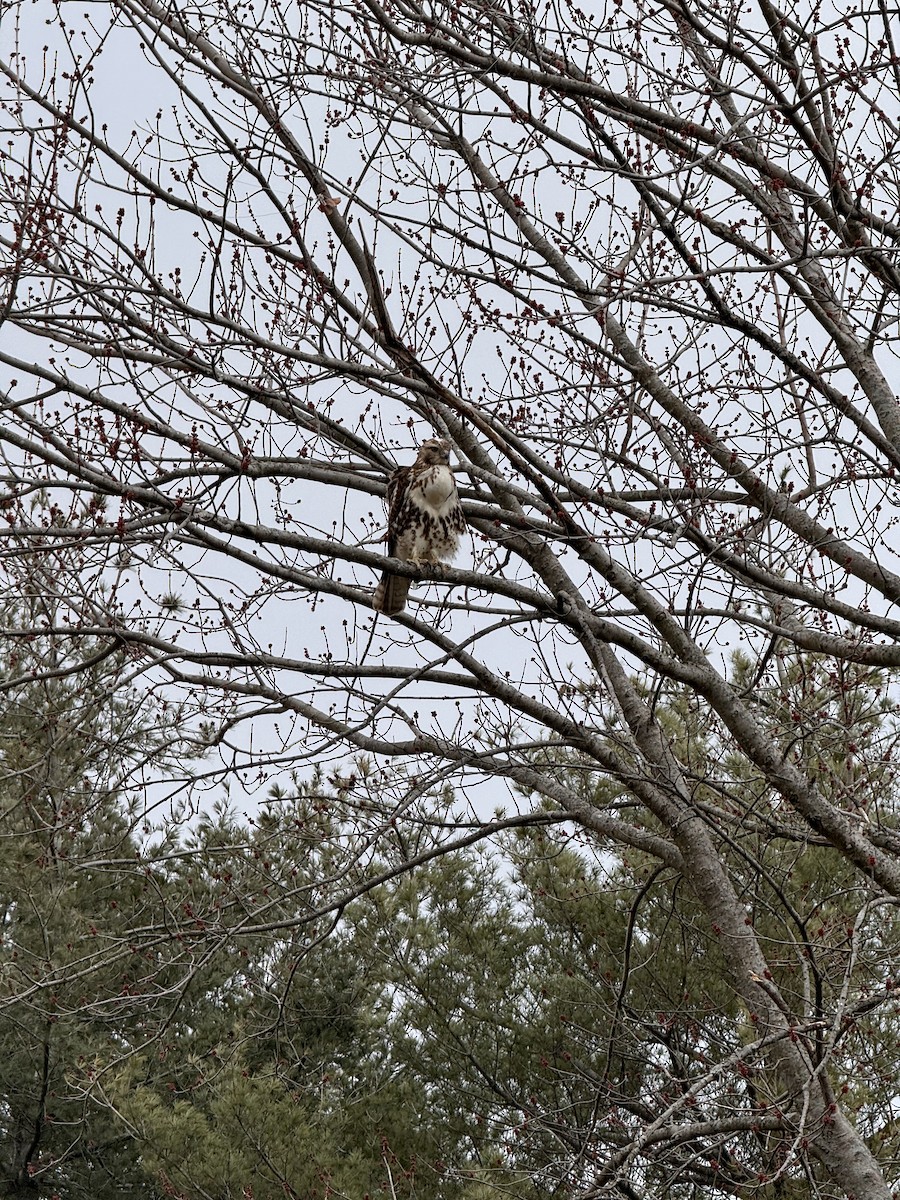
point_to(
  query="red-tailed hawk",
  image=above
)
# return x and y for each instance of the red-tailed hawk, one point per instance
(424, 519)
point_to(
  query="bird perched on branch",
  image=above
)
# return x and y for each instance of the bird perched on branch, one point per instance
(425, 520)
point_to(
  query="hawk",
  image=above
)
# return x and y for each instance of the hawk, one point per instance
(424, 519)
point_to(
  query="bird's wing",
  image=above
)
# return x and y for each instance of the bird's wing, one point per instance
(397, 491)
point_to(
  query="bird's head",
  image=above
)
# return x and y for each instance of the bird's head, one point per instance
(434, 452)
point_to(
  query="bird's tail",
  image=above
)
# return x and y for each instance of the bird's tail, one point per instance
(390, 595)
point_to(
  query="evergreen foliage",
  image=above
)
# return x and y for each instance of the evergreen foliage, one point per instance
(205, 1014)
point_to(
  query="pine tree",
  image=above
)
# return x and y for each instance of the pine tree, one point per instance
(76, 990)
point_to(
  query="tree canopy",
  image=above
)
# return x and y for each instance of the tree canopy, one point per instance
(639, 264)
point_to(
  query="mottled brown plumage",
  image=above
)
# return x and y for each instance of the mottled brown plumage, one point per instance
(425, 520)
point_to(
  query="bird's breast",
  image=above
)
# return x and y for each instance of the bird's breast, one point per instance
(438, 488)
